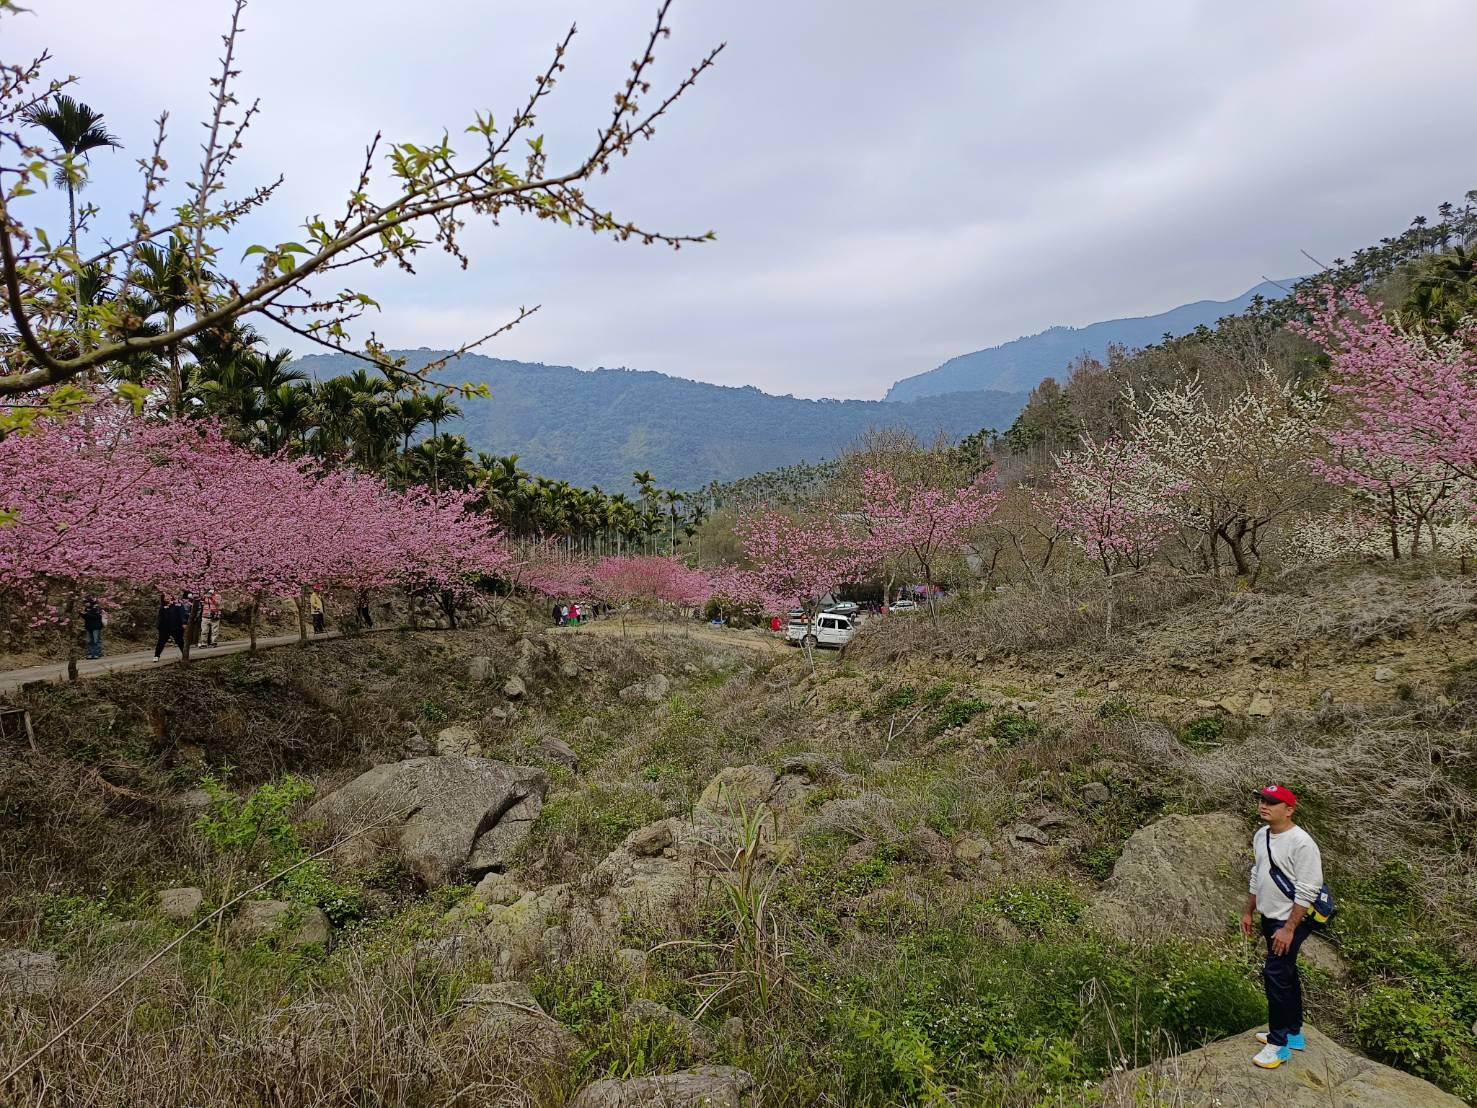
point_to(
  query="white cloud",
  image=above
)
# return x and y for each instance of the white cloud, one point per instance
(891, 184)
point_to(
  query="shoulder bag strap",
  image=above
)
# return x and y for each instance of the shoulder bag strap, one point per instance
(1284, 884)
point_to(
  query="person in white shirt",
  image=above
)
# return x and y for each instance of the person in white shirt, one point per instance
(1285, 921)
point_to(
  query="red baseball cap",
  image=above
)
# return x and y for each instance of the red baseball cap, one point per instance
(1280, 794)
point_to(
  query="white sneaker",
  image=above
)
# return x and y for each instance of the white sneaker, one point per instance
(1270, 1057)
(1294, 1042)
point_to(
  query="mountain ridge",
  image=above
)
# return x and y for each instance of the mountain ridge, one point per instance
(597, 426)
(1021, 363)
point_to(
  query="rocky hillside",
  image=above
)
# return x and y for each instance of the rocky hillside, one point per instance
(996, 862)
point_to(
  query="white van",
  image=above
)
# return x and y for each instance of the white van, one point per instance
(827, 629)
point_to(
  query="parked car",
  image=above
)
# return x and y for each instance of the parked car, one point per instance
(845, 608)
(827, 629)
(904, 606)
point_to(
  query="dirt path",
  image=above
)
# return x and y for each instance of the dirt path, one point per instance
(56, 672)
(700, 632)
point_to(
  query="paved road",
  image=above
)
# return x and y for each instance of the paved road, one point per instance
(56, 672)
(643, 628)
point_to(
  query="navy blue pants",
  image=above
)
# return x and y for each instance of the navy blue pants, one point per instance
(1284, 989)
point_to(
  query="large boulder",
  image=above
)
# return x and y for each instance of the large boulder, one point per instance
(1182, 875)
(28, 972)
(180, 904)
(505, 1012)
(1324, 1074)
(292, 924)
(652, 877)
(447, 818)
(653, 690)
(703, 1087)
(512, 926)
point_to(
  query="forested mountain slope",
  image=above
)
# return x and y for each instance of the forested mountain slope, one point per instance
(595, 427)
(1022, 363)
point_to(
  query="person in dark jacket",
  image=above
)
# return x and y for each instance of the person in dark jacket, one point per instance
(171, 625)
(92, 623)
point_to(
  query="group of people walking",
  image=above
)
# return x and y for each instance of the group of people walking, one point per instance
(570, 615)
(198, 616)
(195, 614)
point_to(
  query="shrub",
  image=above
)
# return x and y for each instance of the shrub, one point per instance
(1420, 1034)
(1204, 731)
(1012, 729)
(1040, 906)
(958, 714)
(1200, 1001)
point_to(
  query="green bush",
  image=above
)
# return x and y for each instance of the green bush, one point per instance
(1421, 1034)
(1203, 731)
(958, 714)
(1012, 729)
(1201, 1001)
(1040, 906)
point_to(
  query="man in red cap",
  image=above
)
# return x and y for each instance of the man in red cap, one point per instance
(1285, 880)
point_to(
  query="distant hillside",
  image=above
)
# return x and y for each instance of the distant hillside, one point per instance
(1019, 365)
(597, 426)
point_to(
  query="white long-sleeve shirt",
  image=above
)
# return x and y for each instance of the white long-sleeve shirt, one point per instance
(1298, 857)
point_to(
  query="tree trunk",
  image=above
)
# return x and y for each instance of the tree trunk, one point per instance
(300, 601)
(69, 629)
(251, 614)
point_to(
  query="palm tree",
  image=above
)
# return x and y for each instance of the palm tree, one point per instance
(671, 498)
(439, 407)
(164, 276)
(77, 129)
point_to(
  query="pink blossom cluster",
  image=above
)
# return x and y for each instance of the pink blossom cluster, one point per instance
(107, 503)
(917, 526)
(798, 558)
(1113, 499)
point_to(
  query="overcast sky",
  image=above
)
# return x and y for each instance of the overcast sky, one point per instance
(891, 183)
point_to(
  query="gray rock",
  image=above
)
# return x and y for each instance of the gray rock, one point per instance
(1261, 705)
(1325, 1073)
(1026, 833)
(1179, 876)
(1095, 794)
(293, 924)
(28, 972)
(1384, 673)
(499, 714)
(514, 688)
(738, 788)
(459, 738)
(652, 691)
(190, 803)
(447, 818)
(480, 670)
(630, 963)
(733, 1033)
(515, 933)
(1318, 952)
(650, 840)
(816, 768)
(699, 1041)
(180, 905)
(555, 750)
(507, 1011)
(970, 849)
(702, 1087)
(569, 670)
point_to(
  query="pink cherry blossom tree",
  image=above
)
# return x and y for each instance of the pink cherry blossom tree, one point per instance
(918, 526)
(1406, 443)
(1113, 500)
